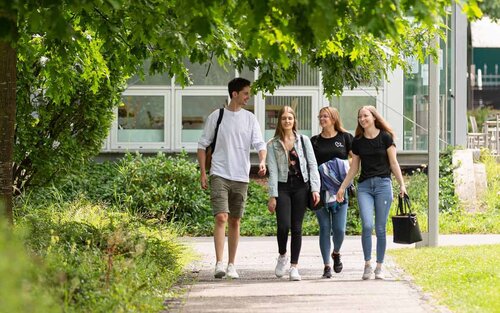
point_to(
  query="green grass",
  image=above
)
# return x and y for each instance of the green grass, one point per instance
(465, 279)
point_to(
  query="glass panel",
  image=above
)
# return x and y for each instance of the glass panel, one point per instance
(250, 105)
(210, 74)
(300, 104)
(446, 78)
(157, 79)
(416, 103)
(141, 119)
(348, 107)
(195, 110)
(246, 73)
(307, 76)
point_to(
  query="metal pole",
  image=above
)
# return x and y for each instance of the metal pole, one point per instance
(433, 143)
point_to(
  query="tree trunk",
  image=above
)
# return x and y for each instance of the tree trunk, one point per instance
(7, 123)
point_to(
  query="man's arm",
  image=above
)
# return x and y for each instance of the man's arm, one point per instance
(262, 162)
(203, 174)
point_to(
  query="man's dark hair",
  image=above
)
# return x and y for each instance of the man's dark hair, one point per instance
(237, 84)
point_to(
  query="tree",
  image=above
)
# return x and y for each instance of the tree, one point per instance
(350, 41)
(59, 124)
(492, 9)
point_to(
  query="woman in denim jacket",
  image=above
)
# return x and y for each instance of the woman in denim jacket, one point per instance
(290, 174)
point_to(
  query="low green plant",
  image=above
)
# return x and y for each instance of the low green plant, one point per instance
(21, 285)
(491, 198)
(448, 200)
(101, 260)
(465, 279)
(163, 187)
(480, 114)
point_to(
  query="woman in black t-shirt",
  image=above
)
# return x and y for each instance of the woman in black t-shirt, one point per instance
(374, 149)
(333, 142)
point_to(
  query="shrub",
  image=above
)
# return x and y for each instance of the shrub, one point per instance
(100, 260)
(162, 187)
(21, 287)
(65, 105)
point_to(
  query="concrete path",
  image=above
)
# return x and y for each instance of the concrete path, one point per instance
(258, 289)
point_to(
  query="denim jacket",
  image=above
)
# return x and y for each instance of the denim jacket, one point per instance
(277, 163)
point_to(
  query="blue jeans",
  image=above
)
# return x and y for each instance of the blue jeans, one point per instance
(332, 221)
(374, 193)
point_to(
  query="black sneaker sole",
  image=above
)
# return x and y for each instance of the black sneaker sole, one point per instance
(220, 274)
(327, 274)
(337, 268)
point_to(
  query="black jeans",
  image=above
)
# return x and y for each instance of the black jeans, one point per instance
(290, 209)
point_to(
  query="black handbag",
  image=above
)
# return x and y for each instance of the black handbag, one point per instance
(310, 200)
(405, 223)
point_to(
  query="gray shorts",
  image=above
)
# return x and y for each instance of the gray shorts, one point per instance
(228, 196)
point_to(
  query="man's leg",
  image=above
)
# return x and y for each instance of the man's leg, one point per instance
(233, 235)
(220, 235)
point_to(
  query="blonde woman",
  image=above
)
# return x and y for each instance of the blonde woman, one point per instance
(291, 170)
(374, 150)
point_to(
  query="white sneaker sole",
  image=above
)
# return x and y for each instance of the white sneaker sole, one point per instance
(379, 277)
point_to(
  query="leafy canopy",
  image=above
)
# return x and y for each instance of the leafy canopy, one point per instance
(74, 56)
(351, 41)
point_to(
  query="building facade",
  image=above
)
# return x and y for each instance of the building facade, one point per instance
(159, 115)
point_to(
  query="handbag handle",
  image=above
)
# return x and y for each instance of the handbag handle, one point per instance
(404, 205)
(305, 153)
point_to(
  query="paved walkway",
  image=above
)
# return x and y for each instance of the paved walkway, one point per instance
(258, 289)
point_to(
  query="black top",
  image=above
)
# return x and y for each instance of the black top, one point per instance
(373, 155)
(326, 149)
(294, 164)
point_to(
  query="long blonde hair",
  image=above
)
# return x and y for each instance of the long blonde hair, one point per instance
(380, 122)
(279, 132)
(335, 117)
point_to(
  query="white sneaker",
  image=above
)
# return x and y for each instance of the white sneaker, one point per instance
(219, 270)
(231, 271)
(281, 266)
(367, 273)
(379, 274)
(294, 274)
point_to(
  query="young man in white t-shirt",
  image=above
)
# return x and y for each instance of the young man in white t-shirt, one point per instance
(229, 173)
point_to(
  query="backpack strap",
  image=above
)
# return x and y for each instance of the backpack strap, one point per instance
(221, 113)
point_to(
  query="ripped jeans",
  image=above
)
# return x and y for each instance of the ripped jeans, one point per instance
(374, 196)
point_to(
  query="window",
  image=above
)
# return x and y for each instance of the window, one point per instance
(157, 79)
(195, 110)
(210, 74)
(307, 76)
(299, 103)
(348, 107)
(141, 119)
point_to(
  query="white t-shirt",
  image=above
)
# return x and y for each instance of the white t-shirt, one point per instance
(238, 131)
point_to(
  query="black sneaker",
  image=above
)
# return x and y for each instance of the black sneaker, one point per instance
(337, 264)
(327, 272)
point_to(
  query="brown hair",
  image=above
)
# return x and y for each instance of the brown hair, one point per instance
(380, 122)
(335, 116)
(279, 132)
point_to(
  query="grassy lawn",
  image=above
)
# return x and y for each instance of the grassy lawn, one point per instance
(465, 279)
